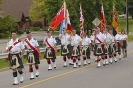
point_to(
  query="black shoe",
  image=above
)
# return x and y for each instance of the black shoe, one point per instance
(21, 81)
(103, 64)
(79, 65)
(15, 84)
(70, 64)
(65, 66)
(89, 63)
(54, 67)
(37, 75)
(119, 58)
(110, 62)
(49, 69)
(31, 78)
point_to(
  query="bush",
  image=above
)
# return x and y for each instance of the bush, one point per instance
(2, 35)
(38, 24)
(36, 28)
(20, 31)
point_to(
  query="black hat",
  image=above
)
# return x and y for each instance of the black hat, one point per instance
(14, 32)
(28, 32)
(48, 31)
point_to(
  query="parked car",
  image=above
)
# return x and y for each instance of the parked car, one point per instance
(122, 16)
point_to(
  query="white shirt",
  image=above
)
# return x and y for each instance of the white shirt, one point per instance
(92, 37)
(33, 42)
(64, 39)
(113, 38)
(17, 48)
(50, 40)
(75, 40)
(124, 37)
(108, 38)
(101, 37)
(86, 41)
(117, 37)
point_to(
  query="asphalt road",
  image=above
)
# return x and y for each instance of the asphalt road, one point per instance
(116, 75)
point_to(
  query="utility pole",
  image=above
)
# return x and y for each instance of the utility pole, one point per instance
(127, 17)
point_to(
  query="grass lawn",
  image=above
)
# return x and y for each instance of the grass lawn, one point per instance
(122, 24)
(4, 63)
(130, 38)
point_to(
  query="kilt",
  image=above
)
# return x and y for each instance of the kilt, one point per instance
(77, 51)
(19, 60)
(37, 61)
(118, 47)
(114, 48)
(124, 46)
(109, 49)
(99, 49)
(69, 47)
(87, 51)
(53, 55)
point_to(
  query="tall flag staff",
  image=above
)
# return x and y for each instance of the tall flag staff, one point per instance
(114, 22)
(81, 22)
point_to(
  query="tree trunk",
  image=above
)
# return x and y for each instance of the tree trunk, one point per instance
(132, 16)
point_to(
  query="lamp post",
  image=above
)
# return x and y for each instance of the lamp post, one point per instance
(127, 17)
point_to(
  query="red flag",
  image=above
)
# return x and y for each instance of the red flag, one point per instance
(69, 27)
(60, 16)
(102, 20)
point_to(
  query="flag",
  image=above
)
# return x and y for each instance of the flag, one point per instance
(102, 19)
(62, 25)
(81, 22)
(114, 22)
(69, 27)
(60, 16)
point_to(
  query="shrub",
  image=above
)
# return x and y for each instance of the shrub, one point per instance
(36, 28)
(2, 35)
(38, 24)
(20, 31)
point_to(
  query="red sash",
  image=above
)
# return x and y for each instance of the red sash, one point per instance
(35, 50)
(99, 40)
(11, 48)
(50, 46)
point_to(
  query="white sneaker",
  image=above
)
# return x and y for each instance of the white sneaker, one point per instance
(21, 78)
(98, 65)
(37, 73)
(49, 67)
(74, 66)
(32, 76)
(85, 62)
(89, 61)
(15, 81)
(65, 64)
(111, 61)
(106, 62)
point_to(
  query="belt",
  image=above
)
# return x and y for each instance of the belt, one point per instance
(14, 52)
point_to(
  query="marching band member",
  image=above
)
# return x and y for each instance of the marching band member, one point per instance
(92, 37)
(76, 43)
(14, 47)
(124, 43)
(65, 46)
(100, 45)
(85, 49)
(109, 47)
(50, 54)
(118, 45)
(113, 46)
(33, 54)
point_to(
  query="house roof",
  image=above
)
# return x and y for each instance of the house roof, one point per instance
(16, 8)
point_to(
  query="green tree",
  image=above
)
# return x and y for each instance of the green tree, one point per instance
(37, 10)
(7, 23)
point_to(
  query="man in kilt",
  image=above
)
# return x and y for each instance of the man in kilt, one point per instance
(118, 44)
(85, 49)
(16, 51)
(65, 47)
(124, 43)
(100, 45)
(50, 54)
(113, 46)
(32, 54)
(109, 47)
(92, 37)
(76, 43)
